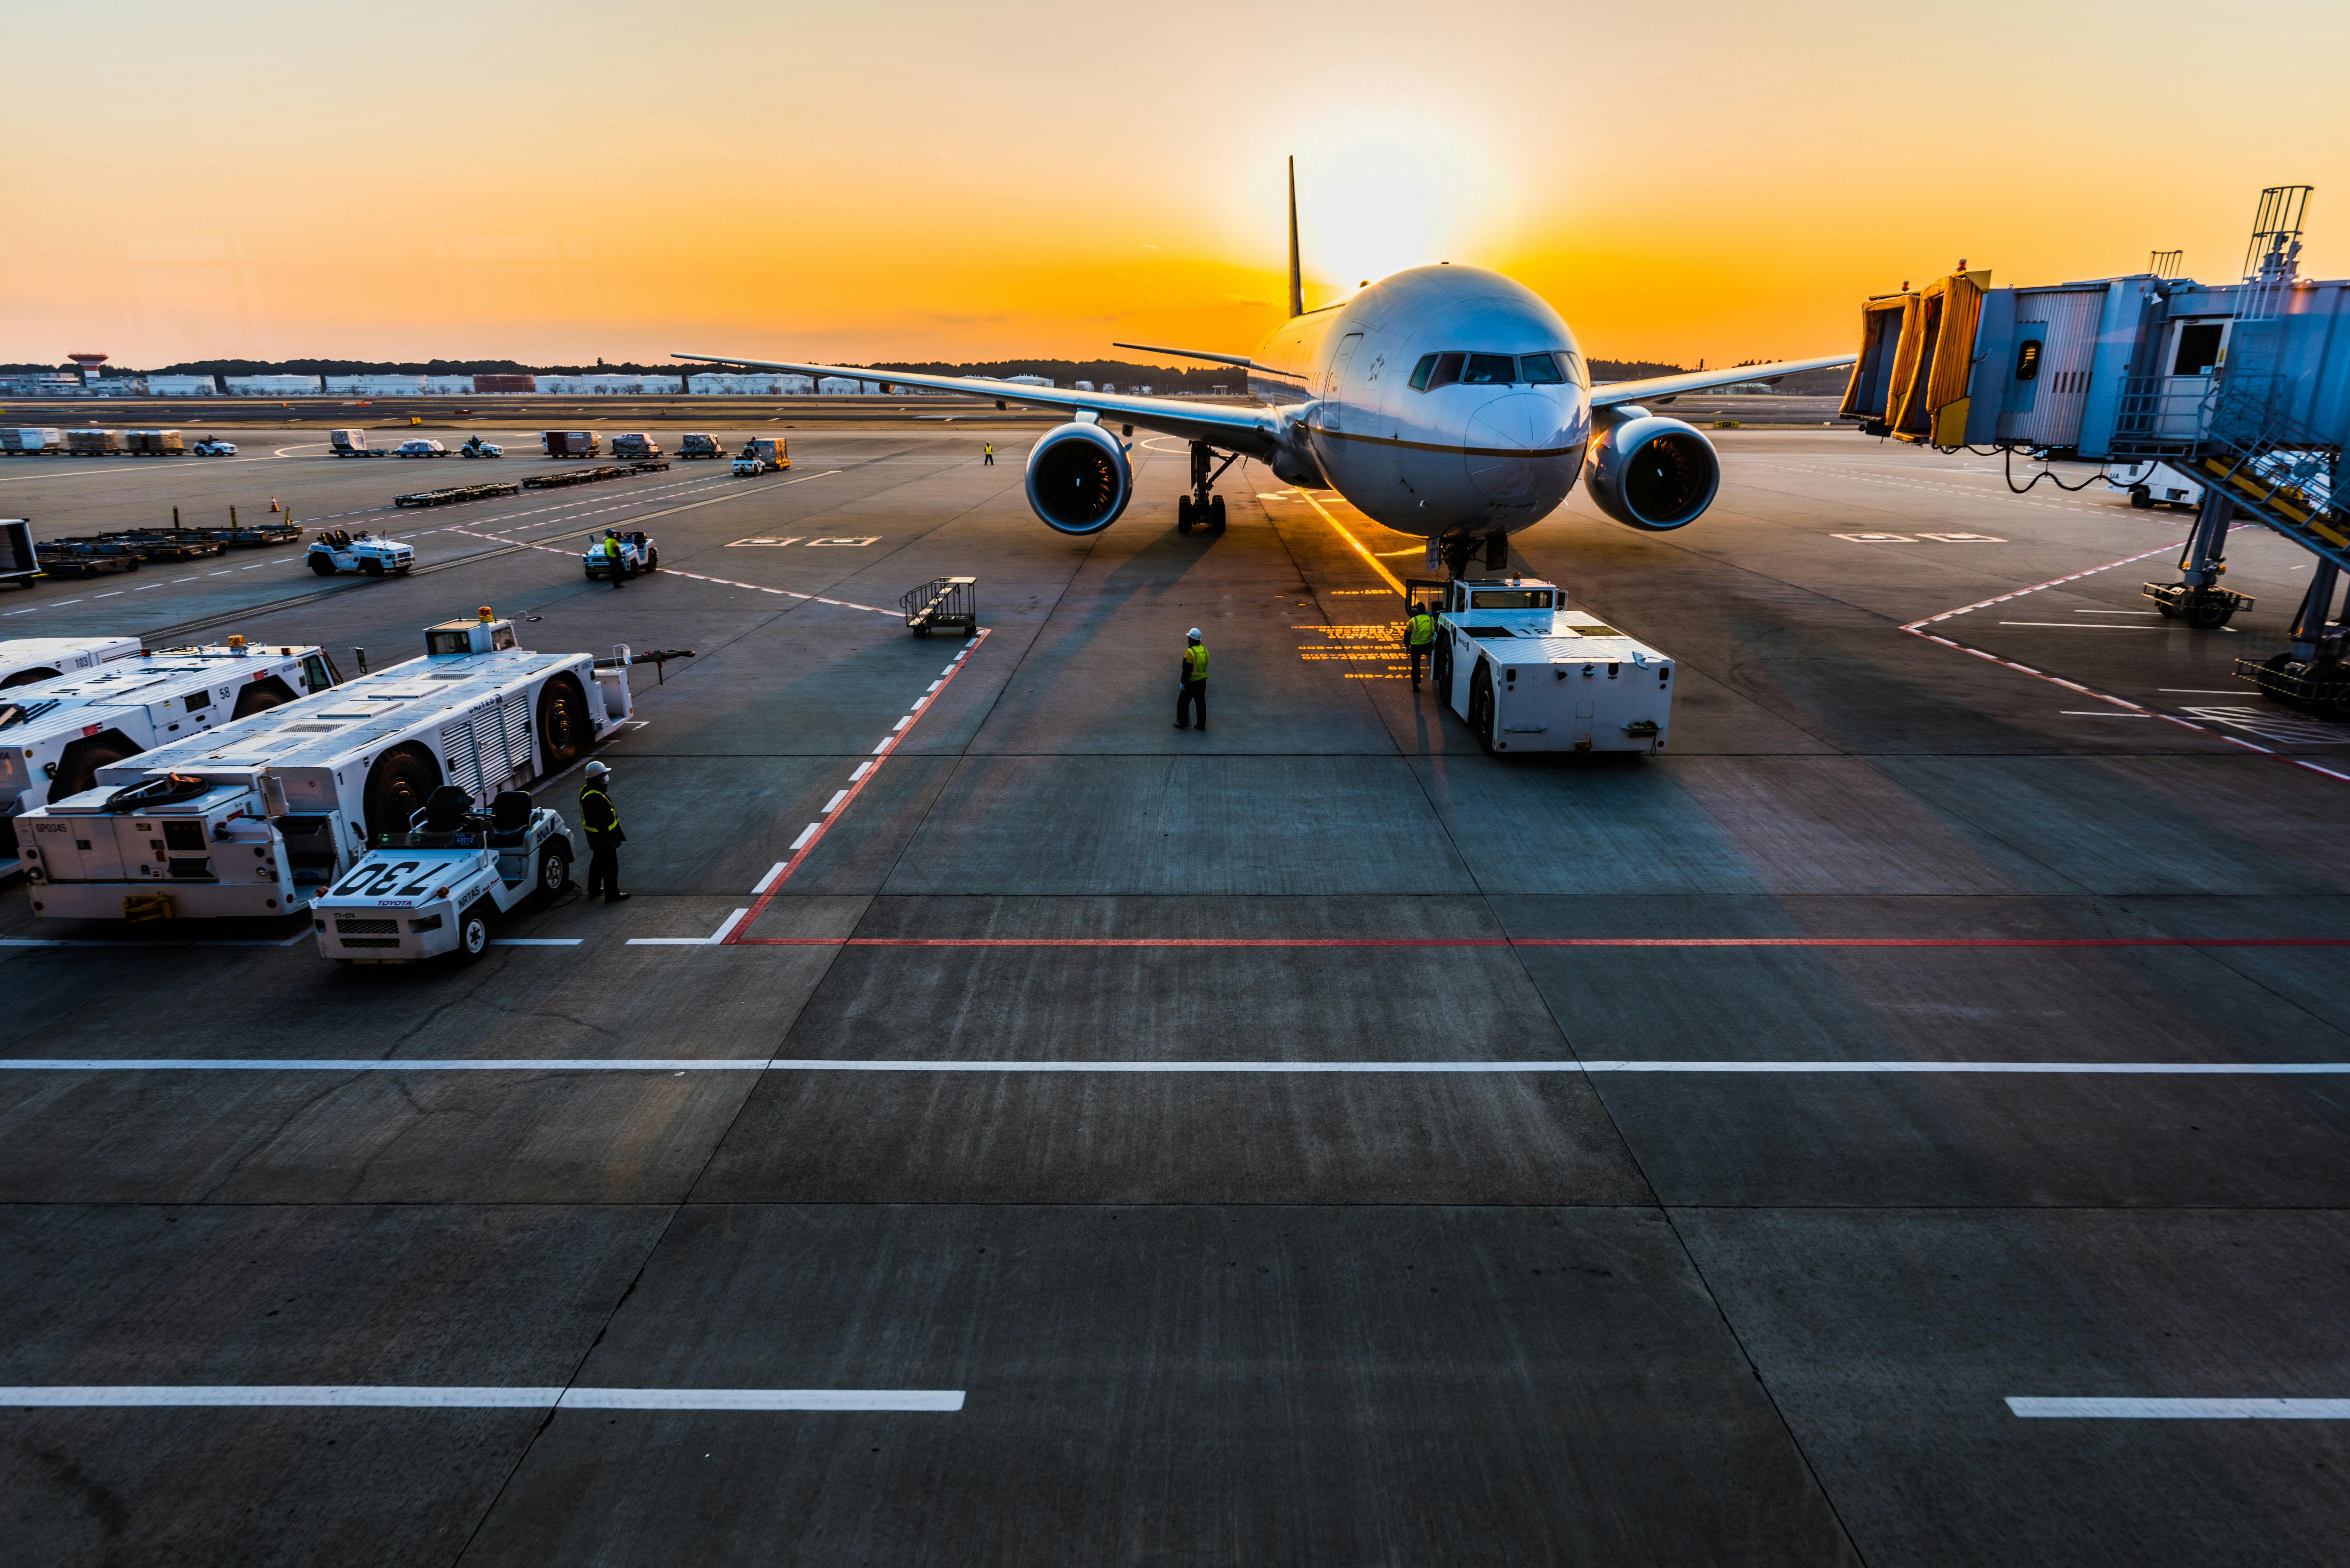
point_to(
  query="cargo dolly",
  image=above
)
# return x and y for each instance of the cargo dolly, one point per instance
(570, 477)
(943, 602)
(449, 495)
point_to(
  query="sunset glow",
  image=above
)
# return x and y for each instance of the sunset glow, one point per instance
(916, 181)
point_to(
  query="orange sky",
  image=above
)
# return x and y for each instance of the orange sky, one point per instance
(909, 180)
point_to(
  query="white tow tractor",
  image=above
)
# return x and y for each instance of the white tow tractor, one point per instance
(1528, 674)
(639, 555)
(477, 447)
(2154, 483)
(25, 660)
(340, 550)
(212, 446)
(431, 889)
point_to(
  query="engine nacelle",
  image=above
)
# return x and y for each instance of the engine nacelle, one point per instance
(1651, 472)
(1078, 478)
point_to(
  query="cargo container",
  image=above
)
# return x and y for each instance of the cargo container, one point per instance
(699, 443)
(153, 443)
(354, 443)
(30, 442)
(635, 443)
(94, 443)
(260, 815)
(569, 443)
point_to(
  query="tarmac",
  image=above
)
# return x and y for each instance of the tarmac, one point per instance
(1313, 1140)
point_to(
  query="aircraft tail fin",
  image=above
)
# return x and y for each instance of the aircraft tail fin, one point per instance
(1296, 276)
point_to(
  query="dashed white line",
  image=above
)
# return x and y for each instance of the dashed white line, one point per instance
(769, 879)
(2039, 1407)
(807, 833)
(833, 804)
(446, 1396)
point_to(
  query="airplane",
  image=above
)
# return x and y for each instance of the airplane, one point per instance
(1445, 402)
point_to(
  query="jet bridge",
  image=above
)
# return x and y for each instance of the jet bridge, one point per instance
(2245, 386)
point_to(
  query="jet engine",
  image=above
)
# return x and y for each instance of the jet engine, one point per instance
(1078, 478)
(1651, 472)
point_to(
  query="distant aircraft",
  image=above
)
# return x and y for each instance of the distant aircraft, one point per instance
(1446, 401)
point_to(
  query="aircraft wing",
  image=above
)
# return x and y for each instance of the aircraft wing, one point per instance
(1251, 430)
(1616, 392)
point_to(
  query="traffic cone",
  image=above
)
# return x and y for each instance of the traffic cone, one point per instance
(274, 506)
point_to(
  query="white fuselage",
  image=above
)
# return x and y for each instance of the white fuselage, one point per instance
(1490, 441)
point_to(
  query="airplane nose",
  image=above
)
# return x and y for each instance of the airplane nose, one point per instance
(1514, 442)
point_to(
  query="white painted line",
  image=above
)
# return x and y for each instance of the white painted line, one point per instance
(711, 941)
(935, 1064)
(861, 770)
(884, 745)
(832, 806)
(769, 879)
(2099, 713)
(440, 1397)
(2036, 1408)
(805, 833)
(936, 685)
(114, 594)
(150, 585)
(2084, 626)
(901, 723)
(534, 941)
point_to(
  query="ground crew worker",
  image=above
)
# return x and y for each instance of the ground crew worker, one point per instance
(612, 557)
(1419, 636)
(987, 454)
(604, 835)
(1194, 689)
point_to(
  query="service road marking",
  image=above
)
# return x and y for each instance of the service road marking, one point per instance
(448, 1397)
(726, 927)
(2044, 1407)
(674, 1064)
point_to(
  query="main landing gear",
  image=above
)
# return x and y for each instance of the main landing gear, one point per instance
(1203, 508)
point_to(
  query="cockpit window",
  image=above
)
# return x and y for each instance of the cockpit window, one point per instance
(1560, 366)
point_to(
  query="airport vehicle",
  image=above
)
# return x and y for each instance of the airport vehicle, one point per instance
(85, 557)
(20, 560)
(340, 550)
(1445, 402)
(477, 447)
(452, 494)
(420, 447)
(772, 451)
(749, 467)
(94, 443)
(25, 441)
(430, 888)
(699, 443)
(639, 555)
(569, 443)
(635, 443)
(354, 443)
(153, 443)
(2154, 482)
(55, 734)
(212, 446)
(1528, 674)
(263, 815)
(25, 660)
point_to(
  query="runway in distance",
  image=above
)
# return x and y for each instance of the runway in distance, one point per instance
(1446, 401)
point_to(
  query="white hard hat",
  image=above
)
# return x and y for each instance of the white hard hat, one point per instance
(596, 770)
(1193, 634)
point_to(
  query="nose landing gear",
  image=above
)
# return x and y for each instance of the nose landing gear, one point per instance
(1458, 548)
(1203, 508)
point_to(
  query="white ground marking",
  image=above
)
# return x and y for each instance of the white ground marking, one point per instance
(810, 831)
(862, 768)
(2241, 1409)
(535, 941)
(458, 1397)
(834, 803)
(711, 941)
(769, 879)
(2099, 713)
(934, 1065)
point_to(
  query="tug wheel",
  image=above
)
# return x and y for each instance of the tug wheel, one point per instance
(323, 566)
(564, 727)
(472, 934)
(1481, 707)
(554, 874)
(396, 787)
(2210, 616)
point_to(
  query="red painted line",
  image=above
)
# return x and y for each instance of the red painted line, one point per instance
(1537, 941)
(882, 755)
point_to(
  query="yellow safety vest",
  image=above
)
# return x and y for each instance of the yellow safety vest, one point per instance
(1419, 629)
(1195, 661)
(612, 550)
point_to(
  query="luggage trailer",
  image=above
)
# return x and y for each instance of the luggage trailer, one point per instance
(55, 735)
(259, 817)
(1528, 674)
